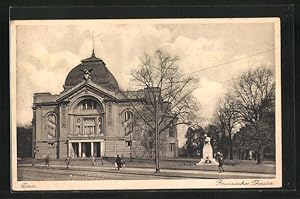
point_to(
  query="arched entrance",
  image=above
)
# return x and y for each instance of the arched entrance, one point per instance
(87, 130)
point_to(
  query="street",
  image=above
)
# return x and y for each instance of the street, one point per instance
(60, 173)
(53, 174)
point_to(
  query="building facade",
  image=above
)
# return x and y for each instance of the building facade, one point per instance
(90, 117)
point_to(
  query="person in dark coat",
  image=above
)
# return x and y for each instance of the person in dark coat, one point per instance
(220, 161)
(47, 161)
(93, 160)
(122, 161)
(67, 161)
(118, 162)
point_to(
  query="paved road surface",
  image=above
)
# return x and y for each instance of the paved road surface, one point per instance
(59, 172)
(28, 173)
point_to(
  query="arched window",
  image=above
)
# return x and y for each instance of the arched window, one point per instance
(87, 104)
(128, 115)
(128, 122)
(51, 126)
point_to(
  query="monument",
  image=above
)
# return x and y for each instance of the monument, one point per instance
(207, 152)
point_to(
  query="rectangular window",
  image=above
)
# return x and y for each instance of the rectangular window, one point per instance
(89, 125)
(92, 129)
(129, 143)
(172, 146)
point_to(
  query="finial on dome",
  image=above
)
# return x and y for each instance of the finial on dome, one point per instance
(93, 53)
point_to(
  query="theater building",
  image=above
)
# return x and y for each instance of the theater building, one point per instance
(89, 118)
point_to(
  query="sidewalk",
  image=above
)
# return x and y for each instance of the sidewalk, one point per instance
(180, 173)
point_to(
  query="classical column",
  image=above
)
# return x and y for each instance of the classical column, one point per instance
(102, 148)
(79, 149)
(92, 149)
(69, 149)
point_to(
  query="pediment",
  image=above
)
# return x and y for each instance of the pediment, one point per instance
(87, 88)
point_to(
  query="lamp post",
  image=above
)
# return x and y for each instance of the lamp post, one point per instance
(68, 150)
(130, 144)
(104, 148)
(35, 150)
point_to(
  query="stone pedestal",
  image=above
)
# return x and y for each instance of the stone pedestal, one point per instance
(207, 154)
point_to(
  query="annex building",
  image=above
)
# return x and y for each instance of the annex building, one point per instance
(90, 117)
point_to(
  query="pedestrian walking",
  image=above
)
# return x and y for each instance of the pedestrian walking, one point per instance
(67, 161)
(93, 160)
(118, 162)
(47, 161)
(33, 159)
(220, 161)
(250, 154)
(101, 160)
(122, 161)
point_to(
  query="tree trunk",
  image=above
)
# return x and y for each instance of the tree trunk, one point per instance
(258, 156)
(230, 147)
(258, 147)
(226, 153)
(201, 153)
(222, 143)
(247, 155)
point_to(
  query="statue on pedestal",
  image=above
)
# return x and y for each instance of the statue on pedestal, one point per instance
(207, 153)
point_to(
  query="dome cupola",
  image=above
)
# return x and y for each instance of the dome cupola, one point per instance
(98, 73)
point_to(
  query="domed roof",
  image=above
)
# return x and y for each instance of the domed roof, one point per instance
(99, 73)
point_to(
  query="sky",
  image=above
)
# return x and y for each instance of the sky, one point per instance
(46, 51)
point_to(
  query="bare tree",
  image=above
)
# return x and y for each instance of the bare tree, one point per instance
(226, 119)
(254, 95)
(220, 124)
(164, 94)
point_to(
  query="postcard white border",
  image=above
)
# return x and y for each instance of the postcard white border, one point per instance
(145, 184)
